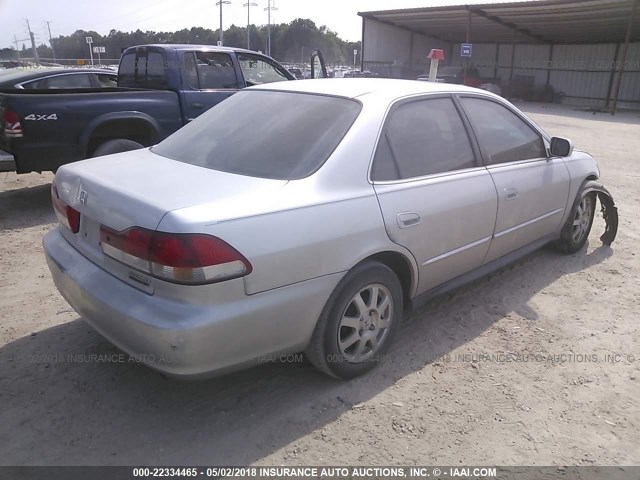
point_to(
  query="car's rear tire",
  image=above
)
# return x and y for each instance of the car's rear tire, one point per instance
(576, 231)
(358, 322)
(117, 145)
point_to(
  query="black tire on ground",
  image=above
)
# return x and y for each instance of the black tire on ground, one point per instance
(117, 145)
(578, 226)
(372, 320)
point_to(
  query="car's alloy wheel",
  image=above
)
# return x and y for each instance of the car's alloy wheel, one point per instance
(578, 226)
(358, 322)
(365, 323)
(582, 218)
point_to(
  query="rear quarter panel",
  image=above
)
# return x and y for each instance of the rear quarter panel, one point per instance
(318, 237)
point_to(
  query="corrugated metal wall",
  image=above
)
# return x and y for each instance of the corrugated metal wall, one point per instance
(585, 74)
(396, 52)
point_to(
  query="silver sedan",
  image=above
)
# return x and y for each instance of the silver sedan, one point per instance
(309, 216)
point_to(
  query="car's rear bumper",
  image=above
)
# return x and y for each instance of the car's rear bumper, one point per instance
(7, 162)
(182, 338)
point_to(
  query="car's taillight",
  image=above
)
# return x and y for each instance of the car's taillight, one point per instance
(176, 257)
(11, 123)
(68, 216)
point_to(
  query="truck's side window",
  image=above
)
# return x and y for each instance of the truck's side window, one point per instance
(144, 69)
(127, 70)
(155, 70)
(191, 69)
(212, 70)
(107, 80)
(257, 70)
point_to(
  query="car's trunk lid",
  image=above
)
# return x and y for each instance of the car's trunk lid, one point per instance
(138, 189)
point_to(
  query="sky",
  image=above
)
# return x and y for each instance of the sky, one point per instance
(67, 16)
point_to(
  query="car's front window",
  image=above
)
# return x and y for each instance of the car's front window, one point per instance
(506, 137)
(267, 134)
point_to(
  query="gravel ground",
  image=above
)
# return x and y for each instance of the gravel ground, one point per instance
(446, 394)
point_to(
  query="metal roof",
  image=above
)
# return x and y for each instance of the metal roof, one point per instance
(543, 21)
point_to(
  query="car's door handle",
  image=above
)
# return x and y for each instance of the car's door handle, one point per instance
(408, 219)
(196, 105)
(511, 193)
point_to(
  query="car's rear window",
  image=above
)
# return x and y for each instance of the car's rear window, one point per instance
(267, 134)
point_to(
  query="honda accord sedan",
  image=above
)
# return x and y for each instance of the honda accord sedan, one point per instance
(310, 216)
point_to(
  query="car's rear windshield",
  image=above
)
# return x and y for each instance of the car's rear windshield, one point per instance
(267, 134)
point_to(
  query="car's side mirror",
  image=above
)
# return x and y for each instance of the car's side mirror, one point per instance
(561, 147)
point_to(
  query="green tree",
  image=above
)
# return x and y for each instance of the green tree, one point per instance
(291, 43)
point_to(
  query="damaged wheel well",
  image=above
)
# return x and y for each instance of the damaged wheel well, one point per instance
(608, 208)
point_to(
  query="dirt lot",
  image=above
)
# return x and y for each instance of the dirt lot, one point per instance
(435, 400)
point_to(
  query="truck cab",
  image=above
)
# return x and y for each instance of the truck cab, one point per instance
(203, 76)
(160, 88)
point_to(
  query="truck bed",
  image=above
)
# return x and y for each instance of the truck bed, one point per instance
(67, 123)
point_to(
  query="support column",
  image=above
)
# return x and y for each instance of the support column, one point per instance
(550, 65)
(614, 67)
(624, 57)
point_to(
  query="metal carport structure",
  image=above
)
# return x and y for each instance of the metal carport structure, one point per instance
(589, 49)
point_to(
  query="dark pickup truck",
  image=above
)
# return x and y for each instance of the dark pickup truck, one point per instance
(160, 88)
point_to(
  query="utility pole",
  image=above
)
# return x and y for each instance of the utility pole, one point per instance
(53, 50)
(249, 4)
(220, 2)
(33, 44)
(15, 39)
(268, 9)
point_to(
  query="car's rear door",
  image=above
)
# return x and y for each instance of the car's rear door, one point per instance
(436, 197)
(532, 187)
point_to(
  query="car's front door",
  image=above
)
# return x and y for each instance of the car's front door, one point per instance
(532, 187)
(436, 198)
(209, 78)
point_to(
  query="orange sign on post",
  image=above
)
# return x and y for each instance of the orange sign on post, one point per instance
(435, 55)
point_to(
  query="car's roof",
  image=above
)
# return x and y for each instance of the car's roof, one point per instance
(357, 87)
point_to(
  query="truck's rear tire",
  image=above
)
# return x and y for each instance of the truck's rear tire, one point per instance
(117, 145)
